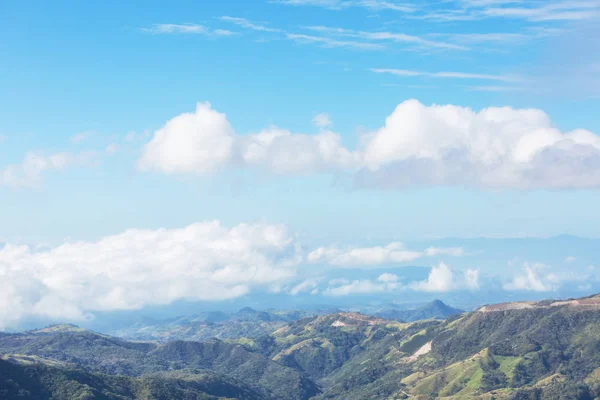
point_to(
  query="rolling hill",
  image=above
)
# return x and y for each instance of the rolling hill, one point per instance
(522, 350)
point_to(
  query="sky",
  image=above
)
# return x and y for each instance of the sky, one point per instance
(155, 153)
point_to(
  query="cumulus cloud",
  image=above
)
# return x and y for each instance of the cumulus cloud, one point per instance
(139, 268)
(282, 152)
(497, 147)
(197, 142)
(203, 142)
(440, 279)
(533, 278)
(443, 279)
(28, 173)
(343, 287)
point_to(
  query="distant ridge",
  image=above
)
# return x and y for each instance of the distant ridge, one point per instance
(544, 350)
(435, 309)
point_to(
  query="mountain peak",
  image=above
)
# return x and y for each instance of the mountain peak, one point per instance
(247, 310)
(58, 328)
(437, 302)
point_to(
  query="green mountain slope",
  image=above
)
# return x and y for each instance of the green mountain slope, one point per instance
(102, 354)
(513, 351)
(27, 378)
(247, 322)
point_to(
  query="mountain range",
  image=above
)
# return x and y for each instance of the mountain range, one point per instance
(520, 350)
(251, 323)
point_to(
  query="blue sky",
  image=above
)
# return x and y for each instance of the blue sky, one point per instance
(86, 90)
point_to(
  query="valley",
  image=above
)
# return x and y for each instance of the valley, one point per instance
(542, 350)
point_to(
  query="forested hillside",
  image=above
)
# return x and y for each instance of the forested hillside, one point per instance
(545, 350)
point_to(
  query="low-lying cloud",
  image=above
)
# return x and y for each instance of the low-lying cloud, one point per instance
(442, 278)
(534, 278)
(392, 253)
(140, 268)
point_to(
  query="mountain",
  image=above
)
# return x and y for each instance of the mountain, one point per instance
(520, 350)
(246, 323)
(436, 309)
(101, 354)
(29, 378)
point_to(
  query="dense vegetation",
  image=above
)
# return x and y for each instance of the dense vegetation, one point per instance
(514, 351)
(252, 324)
(246, 323)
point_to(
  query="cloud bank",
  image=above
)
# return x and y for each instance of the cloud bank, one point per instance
(441, 279)
(139, 268)
(497, 147)
(533, 278)
(394, 252)
(205, 261)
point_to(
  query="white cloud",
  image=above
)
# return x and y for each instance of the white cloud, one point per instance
(301, 38)
(28, 173)
(531, 10)
(570, 260)
(328, 42)
(534, 279)
(394, 252)
(551, 11)
(365, 286)
(443, 74)
(440, 279)
(472, 279)
(443, 279)
(497, 147)
(467, 10)
(385, 36)
(204, 141)
(322, 120)
(329, 37)
(341, 4)
(282, 152)
(306, 286)
(445, 251)
(244, 23)
(366, 256)
(194, 29)
(138, 268)
(388, 278)
(198, 142)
